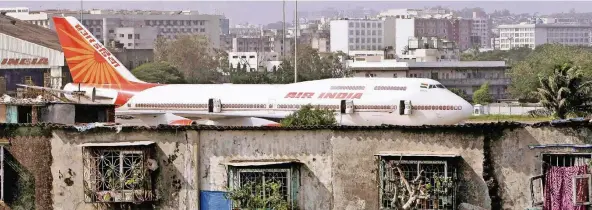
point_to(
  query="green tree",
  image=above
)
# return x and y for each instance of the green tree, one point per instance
(482, 95)
(460, 93)
(541, 62)
(511, 56)
(159, 72)
(193, 56)
(565, 92)
(308, 116)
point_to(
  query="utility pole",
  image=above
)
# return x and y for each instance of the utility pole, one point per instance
(296, 44)
(81, 9)
(284, 33)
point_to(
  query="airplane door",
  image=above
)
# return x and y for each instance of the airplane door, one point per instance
(271, 106)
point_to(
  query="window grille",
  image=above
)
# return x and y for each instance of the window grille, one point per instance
(438, 176)
(117, 174)
(257, 177)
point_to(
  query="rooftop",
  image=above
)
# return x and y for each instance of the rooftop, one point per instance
(29, 32)
(530, 25)
(461, 127)
(393, 64)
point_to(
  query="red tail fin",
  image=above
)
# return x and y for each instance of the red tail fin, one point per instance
(89, 61)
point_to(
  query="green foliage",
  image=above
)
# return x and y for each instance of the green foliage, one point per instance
(250, 196)
(460, 93)
(541, 62)
(193, 56)
(565, 92)
(159, 72)
(24, 194)
(308, 116)
(482, 95)
(311, 66)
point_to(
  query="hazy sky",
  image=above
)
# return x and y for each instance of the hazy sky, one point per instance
(262, 12)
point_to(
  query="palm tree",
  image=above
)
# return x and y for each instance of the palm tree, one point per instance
(565, 93)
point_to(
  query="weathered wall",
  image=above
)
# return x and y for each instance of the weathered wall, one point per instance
(355, 168)
(57, 113)
(515, 163)
(32, 154)
(312, 148)
(177, 184)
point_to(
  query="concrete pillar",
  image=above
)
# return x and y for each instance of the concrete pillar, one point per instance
(34, 118)
(55, 73)
(105, 33)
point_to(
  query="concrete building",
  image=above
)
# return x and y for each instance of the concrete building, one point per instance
(430, 49)
(29, 54)
(481, 30)
(23, 13)
(246, 31)
(457, 30)
(136, 38)
(532, 35)
(492, 166)
(467, 76)
(357, 35)
(254, 61)
(103, 25)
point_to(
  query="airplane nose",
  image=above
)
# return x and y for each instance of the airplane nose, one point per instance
(467, 109)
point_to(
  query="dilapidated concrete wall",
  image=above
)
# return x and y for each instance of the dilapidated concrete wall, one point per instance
(28, 182)
(176, 152)
(355, 166)
(340, 167)
(311, 148)
(515, 163)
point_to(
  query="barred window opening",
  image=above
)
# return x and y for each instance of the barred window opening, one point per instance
(117, 174)
(436, 182)
(266, 181)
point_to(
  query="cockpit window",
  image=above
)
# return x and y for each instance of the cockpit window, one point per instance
(436, 86)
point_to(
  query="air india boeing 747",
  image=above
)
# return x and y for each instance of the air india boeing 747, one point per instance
(356, 101)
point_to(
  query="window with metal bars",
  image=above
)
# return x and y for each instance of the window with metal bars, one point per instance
(117, 174)
(436, 181)
(582, 184)
(260, 178)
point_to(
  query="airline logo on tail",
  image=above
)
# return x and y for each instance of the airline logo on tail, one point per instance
(89, 61)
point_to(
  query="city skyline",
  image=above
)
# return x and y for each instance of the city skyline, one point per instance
(241, 11)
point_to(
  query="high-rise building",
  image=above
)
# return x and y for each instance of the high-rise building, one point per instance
(104, 25)
(357, 35)
(481, 30)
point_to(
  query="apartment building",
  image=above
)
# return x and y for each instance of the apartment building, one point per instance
(532, 35)
(481, 30)
(103, 25)
(457, 30)
(135, 38)
(357, 35)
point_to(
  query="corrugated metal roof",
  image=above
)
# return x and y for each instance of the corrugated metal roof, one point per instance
(462, 127)
(29, 32)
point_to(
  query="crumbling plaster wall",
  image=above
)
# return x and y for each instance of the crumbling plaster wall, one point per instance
(515, 163)
(355, 166)
(177, 183)
(312, 148)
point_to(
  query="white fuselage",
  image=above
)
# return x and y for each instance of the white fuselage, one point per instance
(376, 100)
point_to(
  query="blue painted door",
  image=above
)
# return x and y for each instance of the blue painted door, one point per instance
(213, 200)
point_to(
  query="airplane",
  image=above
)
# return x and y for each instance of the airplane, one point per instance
(99, 75)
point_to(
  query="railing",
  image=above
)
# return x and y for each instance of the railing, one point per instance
(475, 82)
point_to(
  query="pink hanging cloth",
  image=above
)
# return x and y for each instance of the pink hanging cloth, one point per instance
(558, 188)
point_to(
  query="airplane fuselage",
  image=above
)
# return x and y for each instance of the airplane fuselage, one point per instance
(376, 100)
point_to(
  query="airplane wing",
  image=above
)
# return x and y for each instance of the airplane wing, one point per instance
(78, 93)
(189, 117)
